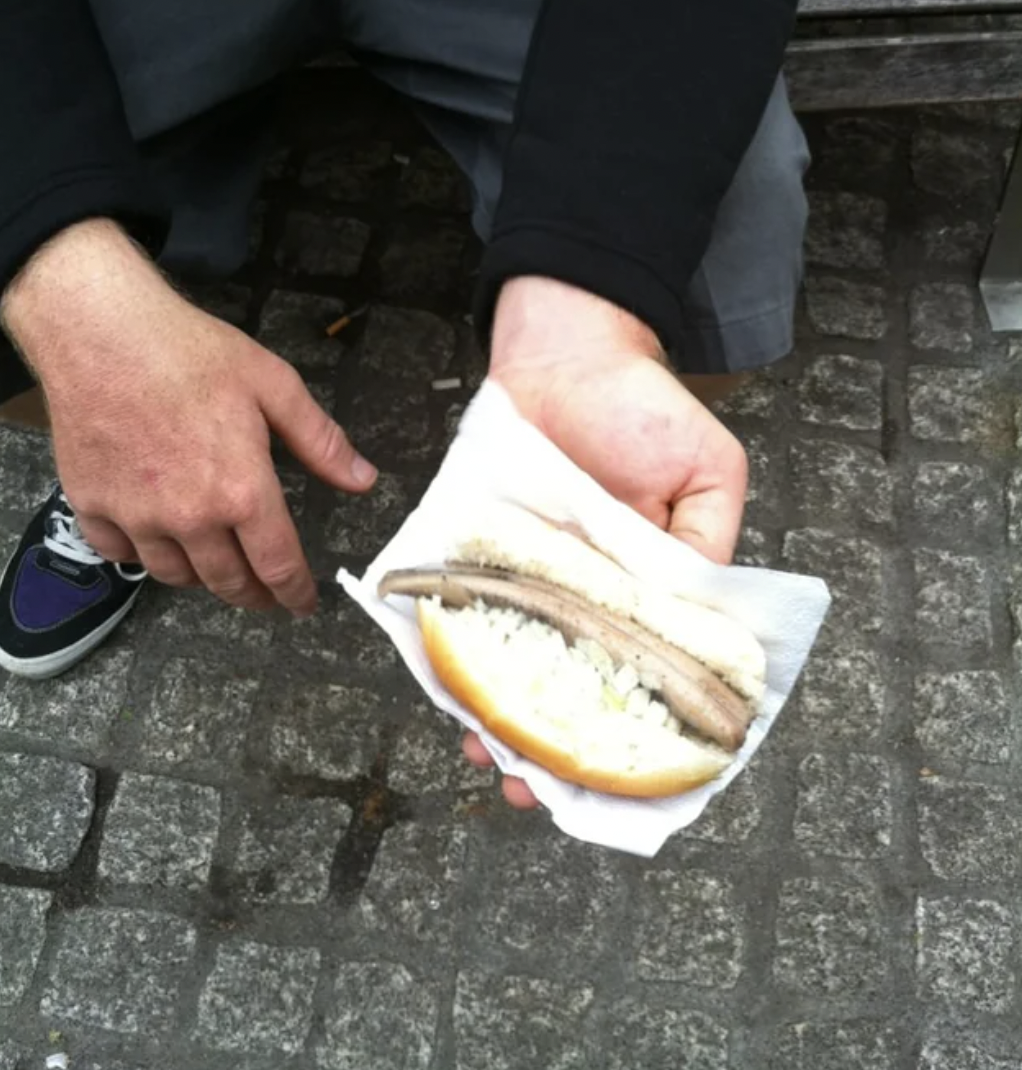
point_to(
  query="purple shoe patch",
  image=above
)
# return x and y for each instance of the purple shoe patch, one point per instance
(50, 591)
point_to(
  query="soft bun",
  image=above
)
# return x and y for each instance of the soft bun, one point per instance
(569, 709)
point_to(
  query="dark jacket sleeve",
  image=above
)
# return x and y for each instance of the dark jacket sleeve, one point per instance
(68, 153)
(631, 122)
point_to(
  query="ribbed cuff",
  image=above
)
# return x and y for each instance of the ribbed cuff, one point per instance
(614, 276)
(71, 198)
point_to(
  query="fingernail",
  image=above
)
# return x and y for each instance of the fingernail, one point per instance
(363, 472)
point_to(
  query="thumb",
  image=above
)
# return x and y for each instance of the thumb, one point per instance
(311, 435)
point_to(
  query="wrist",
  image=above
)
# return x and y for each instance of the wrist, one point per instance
(70, 286)
(543, 321)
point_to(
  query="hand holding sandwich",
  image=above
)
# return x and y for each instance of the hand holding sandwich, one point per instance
(592, 379)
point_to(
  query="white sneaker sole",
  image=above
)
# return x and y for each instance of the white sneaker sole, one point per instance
(54, 664)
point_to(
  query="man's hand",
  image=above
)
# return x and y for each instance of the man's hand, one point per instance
(161, 420)
(592, 379)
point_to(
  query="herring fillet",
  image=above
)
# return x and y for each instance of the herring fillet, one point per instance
(692, 693)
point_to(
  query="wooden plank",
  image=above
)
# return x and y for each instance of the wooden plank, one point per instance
(875, 72)
(861, 8)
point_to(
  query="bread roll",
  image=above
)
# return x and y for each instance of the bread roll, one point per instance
(567, 708)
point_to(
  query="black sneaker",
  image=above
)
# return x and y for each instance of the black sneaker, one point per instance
(58, 598)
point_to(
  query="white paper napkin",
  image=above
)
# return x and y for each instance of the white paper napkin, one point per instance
(498, 455)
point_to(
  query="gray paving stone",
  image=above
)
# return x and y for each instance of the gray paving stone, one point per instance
(846, 230)
(689, 929)
(953, 165)
(339, 633)
(258, 999)
(952, 240)
(22, 933)
(328, 731)
(844, 805)
(28, 470)
(8, 541)
(967, 831)
(198, 717)
(294, 327)
(842, 391)
(857, 147)
(9, 1055)
(390, 425)
(1014, 497)
(380, 1015)
(548, 894)
(636, 1034)
(412, 893)
(964, 954)
(160, 831)
(763, 475)
(421, 267)
(754, 548)
(346, 172)
(830, 939)
(844, 309)
(200, 615)
(952, 598)
(47, 807)
(951, 405)
(953, 496)
(406, 345)
(734, 815)
(433, 180)
(939, 1053)
(286, 849)
(942, 316)
(841, 698)
(853, 1045)
(840, 484)
(853, 569)
(519, 1023)
(452, 422)
(80, 708)
(120, 970)
(963, 717)
(364, 525)
(427, 756)
(317, 244)
(757, 396)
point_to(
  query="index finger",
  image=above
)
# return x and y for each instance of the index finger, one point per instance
(271, 544)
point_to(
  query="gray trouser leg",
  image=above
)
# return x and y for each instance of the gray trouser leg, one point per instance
(461, 61)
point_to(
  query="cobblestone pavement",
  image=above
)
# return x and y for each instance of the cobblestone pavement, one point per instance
(235, 841)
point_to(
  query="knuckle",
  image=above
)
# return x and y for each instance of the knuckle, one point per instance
(241, 502)
(281, 575)
(184, 519)
(332, 444)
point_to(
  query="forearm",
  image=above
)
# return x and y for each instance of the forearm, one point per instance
(631, 124)
(64, 307)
